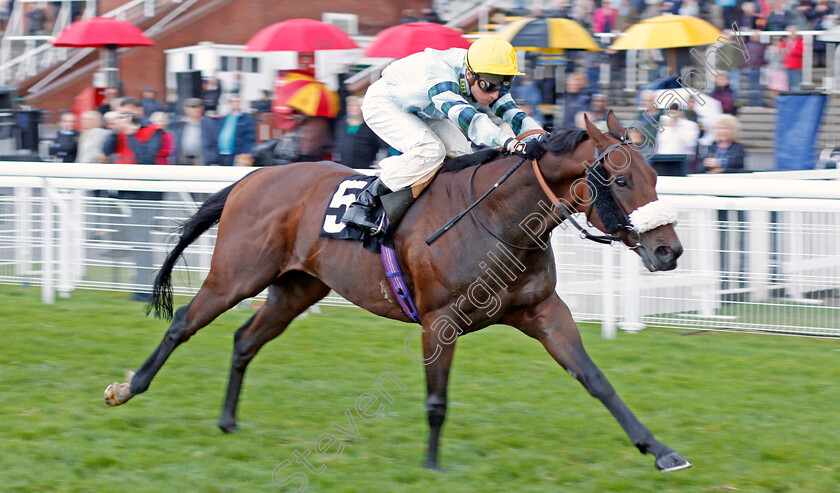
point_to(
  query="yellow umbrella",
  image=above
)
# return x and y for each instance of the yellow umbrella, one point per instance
(547, 32)
(667, 31)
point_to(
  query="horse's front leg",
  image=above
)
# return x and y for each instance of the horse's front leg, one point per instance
(551, 323)
(438, 349)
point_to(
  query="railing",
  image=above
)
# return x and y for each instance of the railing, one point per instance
(760, 254)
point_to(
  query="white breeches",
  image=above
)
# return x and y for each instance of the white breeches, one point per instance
(423, 143)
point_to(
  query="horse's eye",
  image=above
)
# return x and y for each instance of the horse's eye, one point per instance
(621, 182)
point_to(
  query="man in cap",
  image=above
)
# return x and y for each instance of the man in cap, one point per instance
(196, 136)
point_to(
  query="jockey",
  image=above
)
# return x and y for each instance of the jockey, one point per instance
(423, 106)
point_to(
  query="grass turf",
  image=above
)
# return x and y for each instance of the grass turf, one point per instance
(752, 412)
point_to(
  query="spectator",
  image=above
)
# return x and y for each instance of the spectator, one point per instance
(356, 144)
(749, 17)
(791, 49)
(644, 130)
(690, 8)
(111, 102)
(777, 77)
(428, 14)
(196, 137)
(575, 100)
(731, 59)
(237, 135)
(730, 12)
(784, 16)
(752, 67)
(315, 134)
(679, 135)
(628, 14)
(598, 108)
(150, 103)
(262, 105)
(409, 15)
(726, 154)
(527, 93)
(37, 21)
(724, 94)
(778, 20)
(211, 94)
(818, 15)
(65, 146)
(160, 119)
(132, 142)
(286, 147)
(92, 139)
(670, 7)
(605, 19)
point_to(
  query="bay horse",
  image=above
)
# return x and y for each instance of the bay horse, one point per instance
(268, 237)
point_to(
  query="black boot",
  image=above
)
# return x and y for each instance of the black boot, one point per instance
(362, 212)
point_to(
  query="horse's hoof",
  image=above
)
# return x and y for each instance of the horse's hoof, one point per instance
(672, 461)
(432, 466)
(228, 426)
(117, 393)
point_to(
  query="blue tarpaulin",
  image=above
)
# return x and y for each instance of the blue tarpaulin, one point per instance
(798, 118)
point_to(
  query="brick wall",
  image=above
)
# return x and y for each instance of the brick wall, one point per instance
(219, 21)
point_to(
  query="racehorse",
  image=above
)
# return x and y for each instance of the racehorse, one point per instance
(268, 237)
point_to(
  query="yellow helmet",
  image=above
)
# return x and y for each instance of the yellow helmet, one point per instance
(492, 55)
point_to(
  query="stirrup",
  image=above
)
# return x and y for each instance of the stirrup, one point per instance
(381, 227)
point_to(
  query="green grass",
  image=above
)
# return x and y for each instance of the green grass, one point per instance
(753, 412)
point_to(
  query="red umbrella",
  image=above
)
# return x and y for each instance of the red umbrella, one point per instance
(103, 32)
(406, 39)
(300, 35)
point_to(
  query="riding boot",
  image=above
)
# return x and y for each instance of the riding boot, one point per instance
(363, 211)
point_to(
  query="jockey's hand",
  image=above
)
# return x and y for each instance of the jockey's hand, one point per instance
(531, 149)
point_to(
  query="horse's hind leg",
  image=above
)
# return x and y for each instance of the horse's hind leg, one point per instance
(213, 299)
(551, 323)
(293, 293)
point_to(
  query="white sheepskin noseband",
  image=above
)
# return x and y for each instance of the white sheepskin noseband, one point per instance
(652, 215)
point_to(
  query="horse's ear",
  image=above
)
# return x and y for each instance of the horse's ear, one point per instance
(613, 124)
(593, 132)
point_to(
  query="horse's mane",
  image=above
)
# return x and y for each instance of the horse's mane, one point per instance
(560, 141)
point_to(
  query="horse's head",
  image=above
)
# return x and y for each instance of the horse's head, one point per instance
(621, 190)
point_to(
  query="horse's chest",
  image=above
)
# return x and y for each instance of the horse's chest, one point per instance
(498, 286)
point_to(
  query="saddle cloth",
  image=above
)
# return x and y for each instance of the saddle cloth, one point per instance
(332, 227)
(343, 195)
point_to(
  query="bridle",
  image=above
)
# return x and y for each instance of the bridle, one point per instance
(622, 227)
(598, 181)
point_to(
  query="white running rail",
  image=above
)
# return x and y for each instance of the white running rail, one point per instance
(760, 254)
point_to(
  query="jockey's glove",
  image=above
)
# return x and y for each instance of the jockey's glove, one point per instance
(531, 149)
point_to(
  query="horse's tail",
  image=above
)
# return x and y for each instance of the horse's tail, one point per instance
(205, 218)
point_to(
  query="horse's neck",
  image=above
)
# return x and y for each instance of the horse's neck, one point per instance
(519, 206)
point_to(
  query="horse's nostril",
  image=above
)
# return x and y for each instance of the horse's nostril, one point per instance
(665, 253)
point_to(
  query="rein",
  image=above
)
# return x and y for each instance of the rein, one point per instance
(606, 239)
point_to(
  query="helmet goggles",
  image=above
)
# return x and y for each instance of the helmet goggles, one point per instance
(493, 82)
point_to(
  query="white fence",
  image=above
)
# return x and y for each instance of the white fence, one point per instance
(762, 251)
